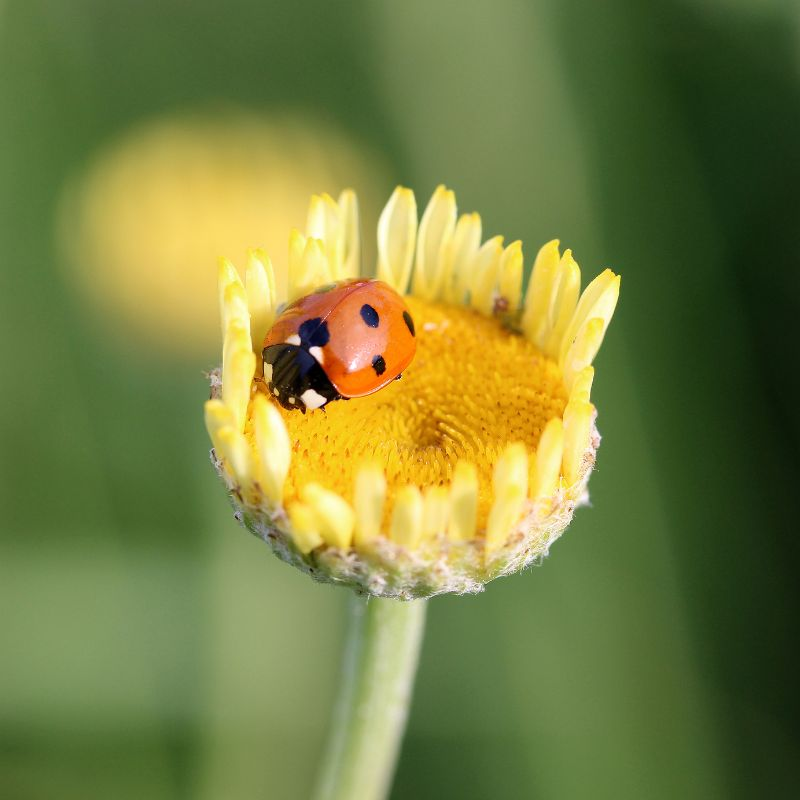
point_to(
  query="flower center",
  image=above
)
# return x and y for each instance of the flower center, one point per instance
(473, 388)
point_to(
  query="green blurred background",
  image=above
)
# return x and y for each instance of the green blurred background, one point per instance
(149, 648)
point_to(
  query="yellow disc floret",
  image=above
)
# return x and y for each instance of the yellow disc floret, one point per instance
(473, 387)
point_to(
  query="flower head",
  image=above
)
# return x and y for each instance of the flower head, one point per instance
(467, 469)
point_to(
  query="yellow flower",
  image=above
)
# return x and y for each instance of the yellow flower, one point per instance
(467, 469)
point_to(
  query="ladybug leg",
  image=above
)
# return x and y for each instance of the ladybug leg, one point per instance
(399, 376)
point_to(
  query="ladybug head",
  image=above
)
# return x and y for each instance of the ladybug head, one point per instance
(296, 378)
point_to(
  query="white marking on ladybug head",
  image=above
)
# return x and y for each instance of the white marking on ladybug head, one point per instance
(312, 399)
(268, 373)
(318, 354)
(275, 392)
(293, 339)
(292, 400)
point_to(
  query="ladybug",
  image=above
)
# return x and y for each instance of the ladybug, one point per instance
(346, 339)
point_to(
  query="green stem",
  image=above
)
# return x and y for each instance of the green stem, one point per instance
(380, 662)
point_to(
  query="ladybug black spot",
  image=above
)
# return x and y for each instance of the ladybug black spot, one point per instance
(370, 316)
(409, 322)
(314, 333)
(379, 365)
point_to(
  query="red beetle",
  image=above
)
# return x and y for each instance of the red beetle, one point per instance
(344, 340)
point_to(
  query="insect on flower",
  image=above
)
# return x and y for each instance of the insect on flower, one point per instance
(347, 339)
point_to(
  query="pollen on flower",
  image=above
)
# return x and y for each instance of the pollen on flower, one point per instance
(473, 387)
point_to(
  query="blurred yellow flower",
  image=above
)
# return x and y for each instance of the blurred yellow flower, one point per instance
(468, 468)
(153, 211)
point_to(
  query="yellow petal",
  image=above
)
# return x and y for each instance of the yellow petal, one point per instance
(510, 483)
(324, 223)
(314, 270)
(304, 527)
(237, 337)
(547, 464)
(351, 234)
(458, 256)
(598, 300)
(463, 502)
(315, 263)
(435, 231)
(578, 419)
(582, 385)
(406, 526)
(583, 350)
(237, 378)
(269, 268)
(368, 499)
(485, 271)
(510, 281)
(537, 298)
(323, 217)
(564, 297)
(335, 516)
(260, 283)
(237, 456)
(234, 306)
(217, 416)
(436, 509)
(397, 239)
(274, 448)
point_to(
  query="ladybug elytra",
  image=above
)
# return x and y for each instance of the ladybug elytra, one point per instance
(348, 339)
